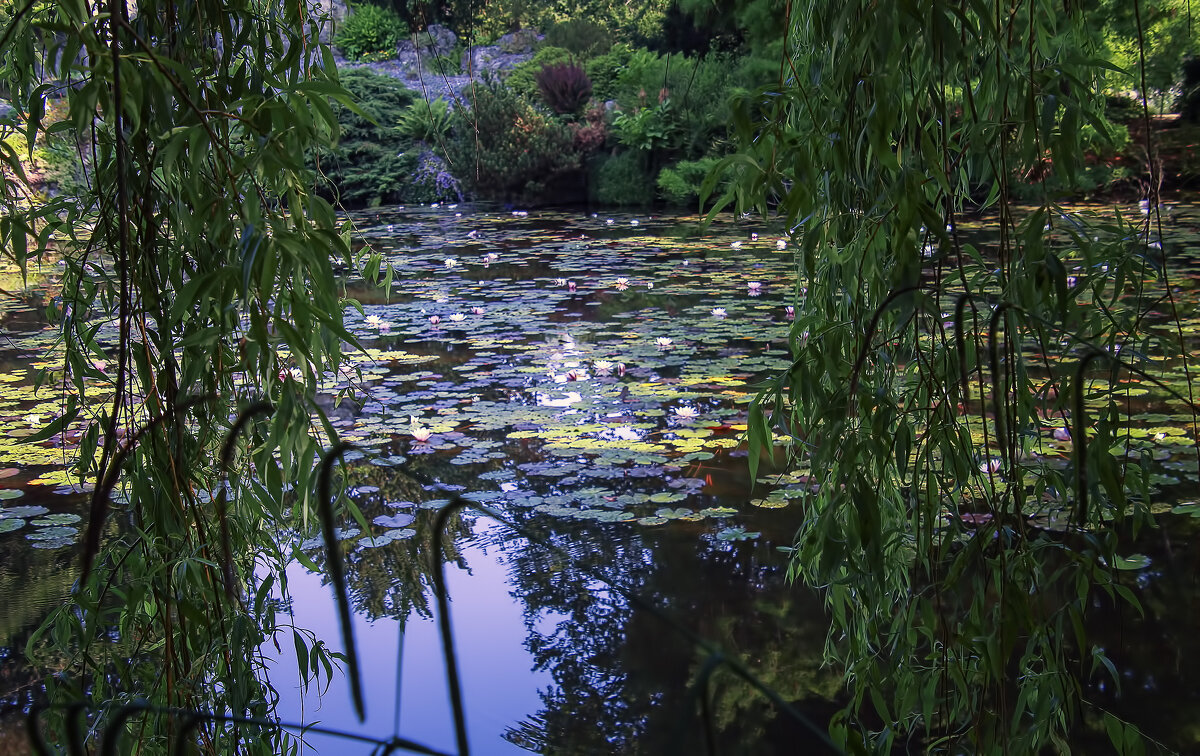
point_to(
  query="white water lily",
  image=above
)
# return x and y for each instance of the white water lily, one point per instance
(602, 367)
(622, 283)
(458, 317)
(736, 245)
(451, 262)
(754, 286)
(664, 342)
(686, 412)
(490, 258)
(374, 321)
(781, 244)
(718, 312)
(560, 282)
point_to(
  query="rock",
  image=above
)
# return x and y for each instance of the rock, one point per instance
(521, 41)
(435, 40)
(490, 59)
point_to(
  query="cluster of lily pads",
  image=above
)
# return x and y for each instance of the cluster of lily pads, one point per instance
(580, 367)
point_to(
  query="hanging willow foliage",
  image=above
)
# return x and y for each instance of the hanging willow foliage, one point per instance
(199, 263)
(928, 367)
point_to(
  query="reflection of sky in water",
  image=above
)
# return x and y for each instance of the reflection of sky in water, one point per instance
(499, 687)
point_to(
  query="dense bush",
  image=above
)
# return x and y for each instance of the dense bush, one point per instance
(375, 161)
(522, 79)
(564, 87)
(505, 148)
(426, 121)
(582, 37)
(605, 71)
(370, 31)
(699, 90)
(621, 179)
(680, 184)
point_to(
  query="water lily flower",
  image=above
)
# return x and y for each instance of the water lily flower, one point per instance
(718, 312)
(576, 375)
(790, 311)
(373, 321)
(560, 282)
(754, 285)
(633, 222)
(1071, 281)
(622, 283)
(649, 284)
(570, 286)
(33, 420)
(736, 245)
(434, 320)
(608, 221)
(686, 412)
(458, 317)
(490, 258)
(781, 243)
(520, 213)
(473, 233)
(420, 433)
(991, 465)
(753, 236)
(100, 365)
(391, 228)
(451, 262)
(476, 310)
(1062, 434)
(602, 367)
(664, 342)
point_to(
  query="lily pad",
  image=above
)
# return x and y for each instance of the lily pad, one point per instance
(30, 511)
(736, 533)
(8, 525)
(10, 493)
(56, 519)
(46, 534)
(395, 521)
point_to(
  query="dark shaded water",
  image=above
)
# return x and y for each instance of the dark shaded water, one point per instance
(587, 377)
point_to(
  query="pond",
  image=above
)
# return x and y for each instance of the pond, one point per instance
(585, 376)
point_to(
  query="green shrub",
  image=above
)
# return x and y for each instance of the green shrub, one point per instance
(699, 91)
(621, 179)
(427, 122)
(368, 165)
(523, 77)
(680, 184)
(605, 71)
(506, 149)
(583, 38)
(370, 31)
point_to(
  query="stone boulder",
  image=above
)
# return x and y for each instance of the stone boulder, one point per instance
(435, 40)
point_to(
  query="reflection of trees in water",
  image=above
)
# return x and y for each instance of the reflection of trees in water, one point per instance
(396, 579)
(621, 674)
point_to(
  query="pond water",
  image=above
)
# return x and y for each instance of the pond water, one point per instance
(586, 377)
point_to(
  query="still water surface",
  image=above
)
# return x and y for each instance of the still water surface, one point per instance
(587, 377)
